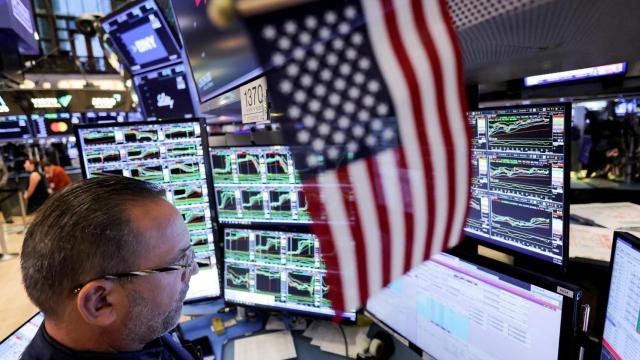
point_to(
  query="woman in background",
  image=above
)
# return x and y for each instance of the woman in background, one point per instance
(37, 192)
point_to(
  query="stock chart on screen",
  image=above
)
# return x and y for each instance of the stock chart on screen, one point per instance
(258, 185)
(283, 270)
(518, 179)
(171, 155)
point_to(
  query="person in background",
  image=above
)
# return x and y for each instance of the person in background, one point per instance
(4, 206)
(108, 261)
(36, 193)
(56, 176)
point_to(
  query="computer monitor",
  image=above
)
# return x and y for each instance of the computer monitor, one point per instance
(450, 308)
(258, 185)
(174, 155)
(141, 36)
(105, 117)
(621, 338)
(520, 180)
(14, 127)
(54, 124)
(221, 58)
(164, 93)
(277, 270)
(16, 343)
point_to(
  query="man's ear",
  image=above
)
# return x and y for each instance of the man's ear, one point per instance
(96, 302)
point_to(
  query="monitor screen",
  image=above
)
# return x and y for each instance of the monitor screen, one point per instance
(54, 124)
(15, 344)
(172, 155)
(453, 309)
(258, 185)
(164, 93)
(141, 36)
(104, 117)
(518, 193)
(221, 58)
(280, 270)
(14, 127)
(621, 338)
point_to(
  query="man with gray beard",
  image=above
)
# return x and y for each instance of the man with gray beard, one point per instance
(108, 261)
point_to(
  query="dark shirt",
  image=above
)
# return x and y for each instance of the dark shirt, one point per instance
(39, 196)
(44, 347)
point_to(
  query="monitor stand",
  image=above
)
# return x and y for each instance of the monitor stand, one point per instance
(495, 255)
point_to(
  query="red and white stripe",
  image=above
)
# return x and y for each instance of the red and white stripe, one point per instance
(409, 203)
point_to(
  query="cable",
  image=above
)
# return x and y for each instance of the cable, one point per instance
(346, 344)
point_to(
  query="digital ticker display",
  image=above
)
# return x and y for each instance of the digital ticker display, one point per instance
(258, 185)
(142, 37)
(54, 124)
(171, 155)
(518, 179)
(14, 127)
(276, 269)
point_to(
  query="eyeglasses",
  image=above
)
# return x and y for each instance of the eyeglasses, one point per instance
(190, 262)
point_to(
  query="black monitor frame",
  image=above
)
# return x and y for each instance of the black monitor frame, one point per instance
(569, 345)
(634, 241)
(172, 33)
(207, 165)
(522, 258)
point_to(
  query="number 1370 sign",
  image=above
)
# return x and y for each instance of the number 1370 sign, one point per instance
(253, 101)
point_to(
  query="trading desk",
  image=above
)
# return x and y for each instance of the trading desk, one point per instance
(223, 345)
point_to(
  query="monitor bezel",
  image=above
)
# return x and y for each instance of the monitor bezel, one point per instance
(522, 258)
(156, 70)
(20, 327)
(126, 7)
(632, 240)
(568, 346)
(204, 136)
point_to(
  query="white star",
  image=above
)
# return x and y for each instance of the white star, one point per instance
(318, 48)
(344, 28)
(376, 125)
(353, 92)
(290, 27)
(292, 70)
(312, 160)
(349, 107)
(320, 90)
(304, 38)
(332, 153)
(338, 137)
(345, 69)
(284, 43)
(350, 12)
(364, 64)
(334, 99)
(340, 84)
(269, 32)
(318, 144)
(358, 131)
(363, 115)
(325, 75)
(306, 80)
(338, 44)
(325, 33)
(285, 87)
(370, 140)
(330, 17)
(329, 114)
(388, 134)
(331, 59)
(314, 105)
(299, 96)
(324, 129)
(352, 146)
(309, 121)
(298, 53)
(344, 122)
(351, 54)
(357, 39)
(359, 78)
(312, 64)
(373, 86)
(303, 136)
(294, 112)
(310, 22)
(368, 101)
(278, 59)
(382, 109)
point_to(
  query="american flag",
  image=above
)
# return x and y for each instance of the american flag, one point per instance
(372, 92)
